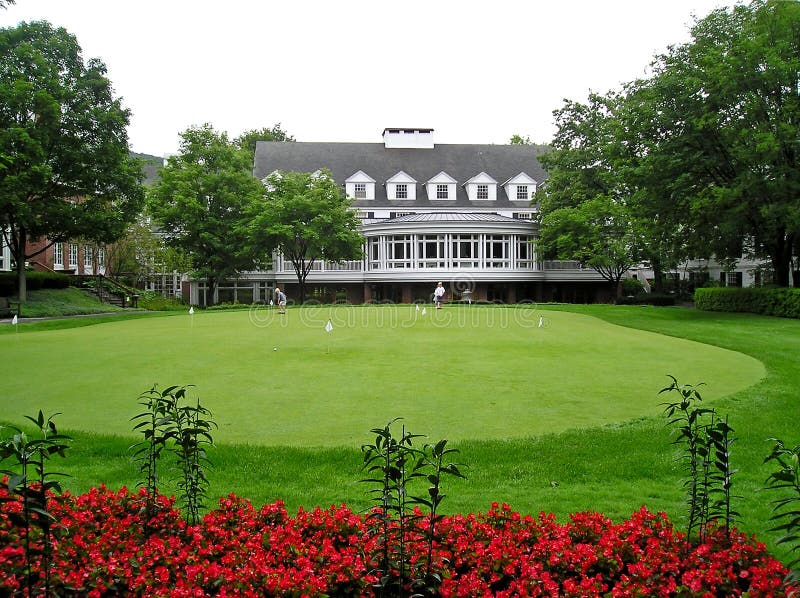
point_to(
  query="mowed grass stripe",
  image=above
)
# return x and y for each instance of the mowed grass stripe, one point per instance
(461, 373)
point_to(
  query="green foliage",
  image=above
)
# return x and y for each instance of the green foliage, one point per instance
(185, 431)
(786, 510)
(658, 299)
(783, 302)
(203, 202)
(152, 301)
(306, 217)
(247, 140)
(30, 482)
(393, 463)
(705, 456)
(632, 286)
(67, 172)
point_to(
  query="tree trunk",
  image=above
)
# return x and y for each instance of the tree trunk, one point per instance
(781, 262)
(19, 255)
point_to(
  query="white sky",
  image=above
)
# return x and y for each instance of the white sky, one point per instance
(343, 70)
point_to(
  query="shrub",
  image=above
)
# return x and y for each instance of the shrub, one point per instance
(155, 302)
(33, 282)
(632, 287)
(657, 299)
(238, 550)
(782, 302)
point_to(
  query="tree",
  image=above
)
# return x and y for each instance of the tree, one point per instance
(65, 169)
(716, 128)
(306, 217)
(202, 202)
(583, 211)
(248, 139)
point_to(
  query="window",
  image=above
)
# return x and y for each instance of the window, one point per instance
(399, 248)
(87, 256)
(365, 215)
(101, 257)
(373, 250)
(58, 255)
(430, 251)
(522, 215)
(483, 192)
(497, 251)
(73, 254)
(464, 251)
(442, 192)
(361, 190)
(525, 256)
(398, 214)
(401, 191)
(522, 192)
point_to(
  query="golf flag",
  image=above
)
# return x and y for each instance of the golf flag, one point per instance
(540, 321)
(191, 311)
(423, 311)
(417, 306)
(14, 320)
(328, 327)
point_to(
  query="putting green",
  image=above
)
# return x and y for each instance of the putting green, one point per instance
(457, 373)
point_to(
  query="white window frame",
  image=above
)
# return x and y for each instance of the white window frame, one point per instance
(401, 191)
(442, 191)
(360, 190)
(482, 191)
(522, 192)
(464, 250)
(73, 255)
(398, 250)
(431, 251)
(58, 255)
(497, 251)
(87, 256)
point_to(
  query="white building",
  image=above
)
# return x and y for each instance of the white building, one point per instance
(460, 214)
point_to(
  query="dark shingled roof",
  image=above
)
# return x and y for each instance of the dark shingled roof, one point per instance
(460, 161)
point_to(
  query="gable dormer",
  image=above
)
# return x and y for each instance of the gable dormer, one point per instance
(266, 180)
(360, 186)
(442, 187)
(401, 186)
(481, 187)
(520, 188)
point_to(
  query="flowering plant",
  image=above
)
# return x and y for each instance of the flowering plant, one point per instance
(99, 549)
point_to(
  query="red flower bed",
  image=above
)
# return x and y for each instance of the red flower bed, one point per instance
(99, 550)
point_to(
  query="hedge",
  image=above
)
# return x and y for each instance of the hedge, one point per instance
(782, 302)
(34, 281)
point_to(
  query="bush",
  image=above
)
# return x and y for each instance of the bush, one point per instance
(99, 549)
(34, 281)
(155, 302)
(631, 287)
(782, 302)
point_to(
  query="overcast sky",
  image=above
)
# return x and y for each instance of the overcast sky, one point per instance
(343, 70)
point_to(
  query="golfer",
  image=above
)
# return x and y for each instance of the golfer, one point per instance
(438, 295)
(281, 297)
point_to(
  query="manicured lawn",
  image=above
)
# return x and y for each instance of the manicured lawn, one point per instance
(460, 373)
(525, 449)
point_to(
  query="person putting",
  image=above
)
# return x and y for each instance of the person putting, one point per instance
(281, 299)
(438, 295)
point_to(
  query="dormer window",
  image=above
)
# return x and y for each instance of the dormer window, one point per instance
(520, 188)
(360, 186)
(441, 187)
(481, 187)
(401, 186)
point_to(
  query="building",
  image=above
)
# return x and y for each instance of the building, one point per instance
(457, 213)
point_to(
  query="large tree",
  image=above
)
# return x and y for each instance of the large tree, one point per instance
(249, 139)
(65, 168)
(583, 205)
(306, 217)
(203, 201)
(715, 130)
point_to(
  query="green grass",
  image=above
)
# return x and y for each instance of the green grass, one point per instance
(63, 302)
(595, 455)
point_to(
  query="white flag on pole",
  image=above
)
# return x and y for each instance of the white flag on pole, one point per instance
(14, 320)
(191, 311)
(417, 306)
(328, 326)
(423, 311)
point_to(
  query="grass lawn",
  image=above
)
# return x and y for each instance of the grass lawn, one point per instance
(558, 418)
